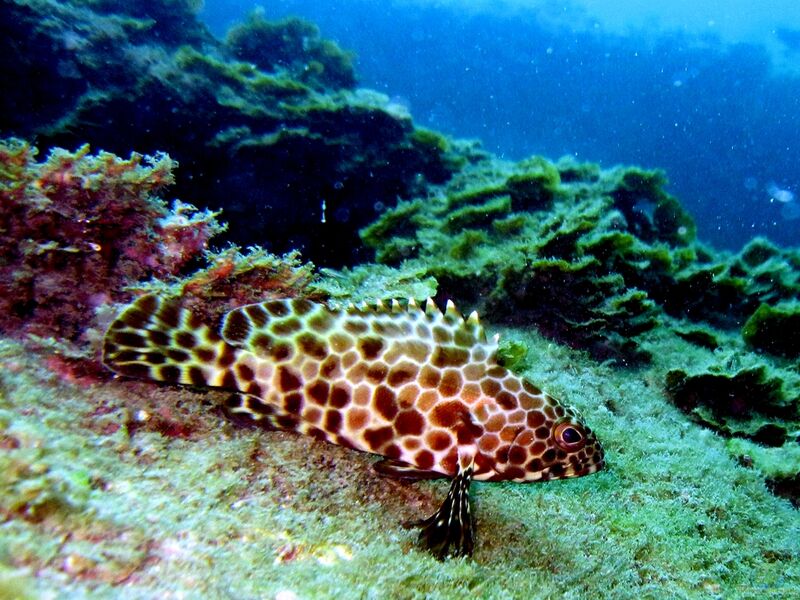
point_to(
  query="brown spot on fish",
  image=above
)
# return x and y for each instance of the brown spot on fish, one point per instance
(319, 391)
(490, 387)
(257, 315)
(438, 440)
(357, 418)
(424, 459)
(237, 327)
(286, 327)
(185, 339)
(409, 422)
(277, 308)
(293, 403)
(535, 419)
(450, 384)
(402, 373)
(340, 396)
(245, 373)
(333, 421)
(288, 381)
(449, 356)
(377, 372)
(448, 414)
(385, 402)
(378, 437)
(370, 348)
(429, 377)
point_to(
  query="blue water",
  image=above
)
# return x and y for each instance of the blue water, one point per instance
(714, 102)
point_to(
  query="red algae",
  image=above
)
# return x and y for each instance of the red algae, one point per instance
(78, 228)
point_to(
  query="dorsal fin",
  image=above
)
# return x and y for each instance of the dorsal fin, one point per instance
(431, 309)
(451, 313)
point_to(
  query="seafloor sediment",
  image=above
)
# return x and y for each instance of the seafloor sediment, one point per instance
(137, 490)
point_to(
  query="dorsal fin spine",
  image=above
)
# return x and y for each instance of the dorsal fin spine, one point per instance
(431, 309)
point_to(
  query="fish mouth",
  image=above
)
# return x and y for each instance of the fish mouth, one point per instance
(553, 472)
(596, 463)
(582, 470)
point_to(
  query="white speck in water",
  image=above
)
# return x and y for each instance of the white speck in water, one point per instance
(780, 194)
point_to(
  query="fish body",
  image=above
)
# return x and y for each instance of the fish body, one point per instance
(416, 385)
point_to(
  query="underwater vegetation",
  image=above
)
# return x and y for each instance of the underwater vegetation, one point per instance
(594, 257)
(682, 359)
(246, 117)
(80, 232)
(77, 229)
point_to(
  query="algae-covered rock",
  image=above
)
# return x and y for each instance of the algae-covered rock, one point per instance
(752, 401)
(775, 329)
(592, 257)
(652, 214)
(515, 242)
(294, 45)
(787, 487)
(266, 125)
(536, 186)
(704, 338)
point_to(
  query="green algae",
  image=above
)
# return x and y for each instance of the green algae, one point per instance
(594, 259)
(580, 270)
(477, 215)
(750, 401)
(427, 138)
(536, 186)
(375, 282)
(704, 338)
(293, 45)
(775, 329)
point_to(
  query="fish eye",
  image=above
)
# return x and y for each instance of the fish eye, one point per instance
(569, 436)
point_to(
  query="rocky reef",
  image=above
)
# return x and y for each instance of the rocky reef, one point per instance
(595, 258)
(266, 124)
(681, 357)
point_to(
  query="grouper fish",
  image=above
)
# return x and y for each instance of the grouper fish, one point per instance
(416, 385)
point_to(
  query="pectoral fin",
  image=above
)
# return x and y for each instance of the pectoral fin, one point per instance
(449, 531)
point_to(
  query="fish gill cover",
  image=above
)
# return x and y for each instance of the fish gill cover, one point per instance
(604, 261)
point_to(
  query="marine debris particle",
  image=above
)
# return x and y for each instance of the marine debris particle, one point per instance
(418, 386)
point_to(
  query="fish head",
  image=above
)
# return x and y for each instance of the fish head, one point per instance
(553, 448)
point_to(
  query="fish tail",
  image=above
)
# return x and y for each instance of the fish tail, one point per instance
(155, 338)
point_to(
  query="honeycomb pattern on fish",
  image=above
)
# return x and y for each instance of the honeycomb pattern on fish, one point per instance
(418, 386)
